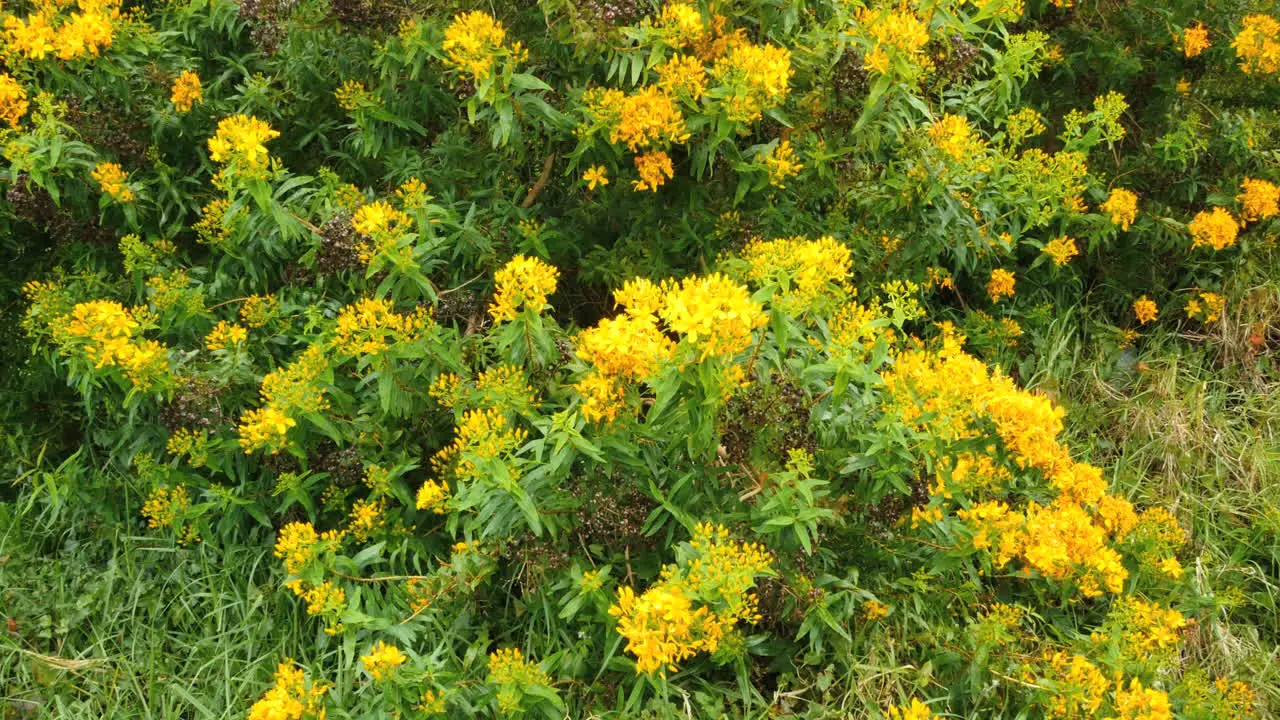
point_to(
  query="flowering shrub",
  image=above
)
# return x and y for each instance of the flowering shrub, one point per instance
(589, 357)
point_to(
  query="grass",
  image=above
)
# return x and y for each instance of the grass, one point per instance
(113, 625)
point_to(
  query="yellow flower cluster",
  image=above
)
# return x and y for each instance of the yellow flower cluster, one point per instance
(1061, 250)
(240, 145)
(757, 78)
(433, 496)
(523, 284)
(366, 518)
(1145, 628)
(1205, 306)
(1138, 703)
(953, 396)
(107, 335)
(954, 136)
(287, 392)
(13, 100)
(646, 118)
(1258, 44)
(1216, 229)
(895, 34)
(168, 508)
(473, 43)
(299, 544)
(225, 335)
(1079, 687)
(781, 164)
(483, 434)
(327, 601)
(808, 275)
(682, 24)
(382, 660)
(113, 180)
(1195, 39)
(186, 91)
(683, 76)
(258, 310)
(291, 698)
(513, 674)
(1122, 205)
(663, 627)
(86, 32)
(380, 226)
(371, 326)
(1001, 284)
(1258, 200)
(655, 169)
(1145, 310)
(188, 442)
(713, 313)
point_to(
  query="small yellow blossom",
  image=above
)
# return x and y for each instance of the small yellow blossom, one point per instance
(655, 169)
(524, 283)
(1258, 200)
(225, 335)
(186, 91)
(1061, 250)
(382, 660)
(1258, 44)
(13, 100)
(1122, 205)
(1001, 284)
(1145, 310)
(1195, 39)
(595, 176)
(114, 181)
(1215, 228)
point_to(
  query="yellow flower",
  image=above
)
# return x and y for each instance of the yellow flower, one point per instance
(1206, 306)
(655, 169)
(1258, 199)
(781, 164)
(186, 91)
(895, 33)
(1171, 567)
(433, 496)
(87, 32)
(1123, 207)
(240, 143)
(916, 710)
(681, 24)
(291, 698)
(13, 100)
(1079, 687)
(382, 660)
(663, 628)
(225, 335)
(1216, 229)
(1139, 703)
(713, 313)
(1001, 284)
(644, 119)
(113, 180)
(873, 610)
(523, 284)
(264, 427)
(1195, 39)
(352, 95)
(757, 78)
(1258, 44)
(595, 175)
(808, 275)
(372, 326)
(472, 43)
(32, 39)
(953, 135)
(367, 519)
(1061, 250)
(602, 397)
(683, 76)
(1145, 310)
(1183, 87)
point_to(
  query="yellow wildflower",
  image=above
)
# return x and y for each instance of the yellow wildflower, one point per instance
(595, 175)
(522, 284)
(1216, 229)
(186, 91)
(1258, 44)
(1001, 284)
(382, 660)
(781, 164)
(225, 335)
(1258, 199)
(713, 313)
(916, 710)
(433, 496)
(1061, 250)
(113, 180)
(13, 100)
(1123, 207)
(1145, 310)
(1205, 306)
(1195, 39)
(655, 169)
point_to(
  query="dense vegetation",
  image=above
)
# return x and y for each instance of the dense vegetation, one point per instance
(618, 358)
